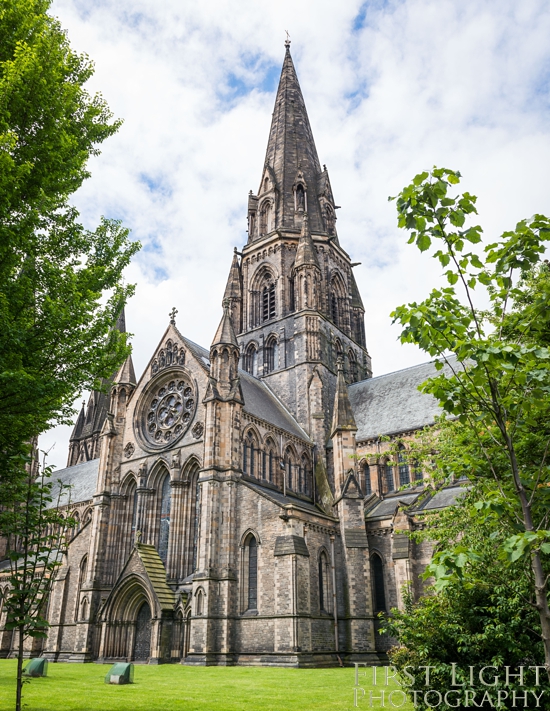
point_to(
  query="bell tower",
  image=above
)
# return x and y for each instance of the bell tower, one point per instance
(295, 304)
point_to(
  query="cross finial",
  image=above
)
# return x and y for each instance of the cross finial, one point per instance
(287, 41)
(172, 315)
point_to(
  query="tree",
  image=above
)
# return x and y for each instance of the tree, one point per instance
(479, 619)
(499, 383)
(60, 284)
(35, 531)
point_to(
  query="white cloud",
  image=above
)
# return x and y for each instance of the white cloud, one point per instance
(420, 82)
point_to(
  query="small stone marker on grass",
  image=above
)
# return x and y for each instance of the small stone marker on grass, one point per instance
(36, 667)
(120, 673)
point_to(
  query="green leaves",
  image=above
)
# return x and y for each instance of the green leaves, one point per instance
(60, 285)
(495, 381)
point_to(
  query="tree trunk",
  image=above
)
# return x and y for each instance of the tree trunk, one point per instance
(541, 584)
(19, 688)
(542, 606)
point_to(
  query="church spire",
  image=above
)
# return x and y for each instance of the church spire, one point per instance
(292, 180)
(234, 292)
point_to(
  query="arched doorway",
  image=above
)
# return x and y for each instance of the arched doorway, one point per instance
(142, 643)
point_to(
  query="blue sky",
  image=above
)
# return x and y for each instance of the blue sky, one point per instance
(391, 88)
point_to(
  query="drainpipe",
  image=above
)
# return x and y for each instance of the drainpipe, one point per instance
(334, 598)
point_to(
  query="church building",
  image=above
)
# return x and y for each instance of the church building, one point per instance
(235, 505)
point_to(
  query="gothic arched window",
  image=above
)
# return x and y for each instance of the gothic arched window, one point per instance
(250, 455)
(334, 308)
(195, 519)
(269, 460)
(199, 605)
(388, 471)
(366, 479)
(251, 359)
(378, 587)
(83, 570)
(417, 471)
(252, 573)
(404, 473)
(268, 301)
(290, 469)
(271, 355)
(165, 503)
(324, 601)
(133, 498)
(265, 218)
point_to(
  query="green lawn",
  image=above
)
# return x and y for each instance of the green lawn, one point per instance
(81, 687)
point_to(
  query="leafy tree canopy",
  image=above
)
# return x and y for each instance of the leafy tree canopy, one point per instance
(495, 371)
(481, 618)
(60, 284)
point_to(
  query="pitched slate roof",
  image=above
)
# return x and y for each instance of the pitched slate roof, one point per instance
(281, 500)
(261, 402)
(82, 479)
(447, 496)
(392, 403)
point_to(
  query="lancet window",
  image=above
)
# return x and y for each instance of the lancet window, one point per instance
(379, 588)
(388, 471)
(404, 472)
(366, 480)
(323, 572)
(164, 532)
(269, 462)
(251, 359)
(268, 301)
(265, 218)
(290, 469)
(271, 355)
(250, 455)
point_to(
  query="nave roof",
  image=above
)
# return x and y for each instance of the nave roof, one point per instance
(390, 404)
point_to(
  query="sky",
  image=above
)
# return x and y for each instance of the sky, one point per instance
(391, 88)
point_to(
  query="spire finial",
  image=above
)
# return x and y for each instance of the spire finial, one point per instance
(172, 315)
(287, 41)
(226, 304)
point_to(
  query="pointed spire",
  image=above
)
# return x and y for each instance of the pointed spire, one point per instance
(233, 289)
(291, 153)
(79, 424)
(126, 373)
(121, 321)
(305, 253)
(342, 418)
(225, 333)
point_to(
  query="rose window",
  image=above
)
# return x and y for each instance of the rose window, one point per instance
(168, 411)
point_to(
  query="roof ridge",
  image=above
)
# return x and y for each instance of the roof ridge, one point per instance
(393, 372)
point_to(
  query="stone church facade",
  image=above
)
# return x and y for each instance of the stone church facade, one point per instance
(235, 505)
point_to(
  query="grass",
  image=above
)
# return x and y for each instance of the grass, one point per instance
(81, 687)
